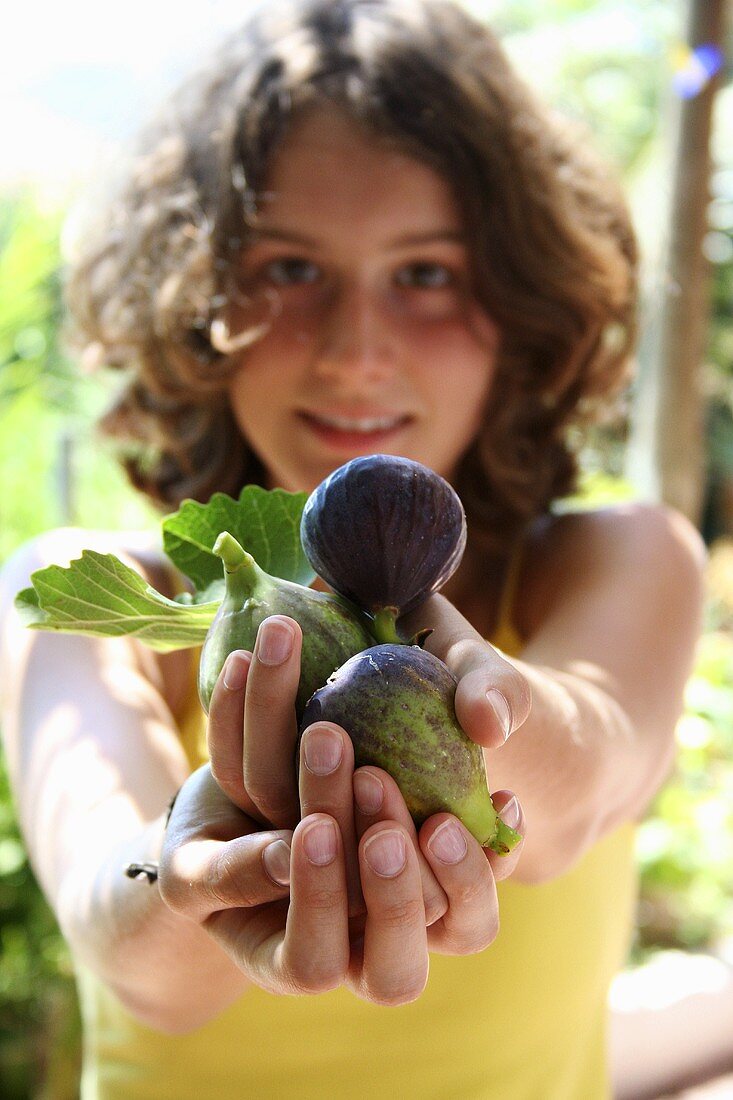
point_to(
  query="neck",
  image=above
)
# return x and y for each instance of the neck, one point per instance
(475, 588)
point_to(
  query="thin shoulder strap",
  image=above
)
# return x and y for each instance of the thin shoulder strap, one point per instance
(507, 600)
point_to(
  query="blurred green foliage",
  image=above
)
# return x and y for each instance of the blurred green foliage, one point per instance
(39, 1023)
(685, 844)
(47, 408)
(47, 442)
(55, 470)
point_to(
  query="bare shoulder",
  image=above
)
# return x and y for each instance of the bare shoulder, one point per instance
(138, 549)
(649, 549)
(636, 533)
(64, 544)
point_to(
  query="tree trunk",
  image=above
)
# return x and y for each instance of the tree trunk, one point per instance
(666, 452)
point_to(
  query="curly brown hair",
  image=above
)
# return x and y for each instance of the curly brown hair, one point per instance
(552, 249)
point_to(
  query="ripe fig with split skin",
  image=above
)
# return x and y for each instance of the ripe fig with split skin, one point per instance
(333, 630)
(385, 532)
(396, 702)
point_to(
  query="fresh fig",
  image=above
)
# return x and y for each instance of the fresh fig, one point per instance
(332, 629)
(396, 702)
(385, 532)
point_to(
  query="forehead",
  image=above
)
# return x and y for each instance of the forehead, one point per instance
(330, 169)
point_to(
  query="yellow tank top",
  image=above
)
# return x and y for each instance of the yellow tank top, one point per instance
(523, 1020)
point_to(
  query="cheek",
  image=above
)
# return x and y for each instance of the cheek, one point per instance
(462, 363)
(286, 338)
(276, 324)
(467, 331)
(462, 354)
(270, 364)
(253, 393)
(485, 332)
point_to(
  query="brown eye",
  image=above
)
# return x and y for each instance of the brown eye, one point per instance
(425, 276)
(292, 271)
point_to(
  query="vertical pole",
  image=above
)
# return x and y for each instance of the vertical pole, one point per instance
(670, 410)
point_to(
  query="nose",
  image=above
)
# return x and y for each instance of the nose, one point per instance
(355, 335)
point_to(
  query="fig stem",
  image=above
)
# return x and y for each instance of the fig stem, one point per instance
(504, 839)
(240, 568)
(230, 551)
(384, 626)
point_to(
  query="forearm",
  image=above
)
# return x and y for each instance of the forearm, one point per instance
(164, 968)
(579, 767)
(609, 610)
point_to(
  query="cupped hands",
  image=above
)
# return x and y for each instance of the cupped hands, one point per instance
(308, 873)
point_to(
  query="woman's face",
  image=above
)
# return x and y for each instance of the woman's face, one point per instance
(373, 342)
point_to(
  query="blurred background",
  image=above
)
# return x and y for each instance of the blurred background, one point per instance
(652, 81)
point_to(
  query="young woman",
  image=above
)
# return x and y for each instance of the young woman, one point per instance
(356, 231)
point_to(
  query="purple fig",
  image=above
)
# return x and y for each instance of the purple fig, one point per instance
(396, 702)
(385, 532)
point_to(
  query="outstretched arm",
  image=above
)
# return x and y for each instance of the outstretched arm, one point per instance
(94, 759)
(613, 600)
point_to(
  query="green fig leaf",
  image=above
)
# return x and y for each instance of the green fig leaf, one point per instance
(265, 522)
(98, 594)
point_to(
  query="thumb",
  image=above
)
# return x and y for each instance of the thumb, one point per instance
(493, 697)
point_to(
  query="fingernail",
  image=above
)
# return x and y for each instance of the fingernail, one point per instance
(235, 670)
(274, 642)
(319, 842)
(368, 792)
(501, 709)
(448, 843)
(511, 815)
(385, 853)
(323, 750)
(276, 858)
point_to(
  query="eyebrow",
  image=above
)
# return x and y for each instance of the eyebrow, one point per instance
(407, 240)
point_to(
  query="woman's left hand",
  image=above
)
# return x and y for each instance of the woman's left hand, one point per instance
(493, 698)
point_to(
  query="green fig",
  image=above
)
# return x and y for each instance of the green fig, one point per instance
(333, 629)
(396, 702)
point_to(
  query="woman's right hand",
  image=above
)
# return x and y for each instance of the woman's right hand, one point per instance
(347, 894)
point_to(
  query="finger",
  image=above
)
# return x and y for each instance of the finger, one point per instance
(252, 938)
(225, 728)
(395, 966)
(509, 809)
(325, 775)
(314, 956)
(201, 877)
(270, 728)
(493, 697)
(213, 857)
(378, 798)
(471, 921)
(492, 700)
(302, 947)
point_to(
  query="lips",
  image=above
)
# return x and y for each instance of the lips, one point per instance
(354, 431)
(364, 424)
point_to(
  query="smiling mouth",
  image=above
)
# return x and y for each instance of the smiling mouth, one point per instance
(356, 426)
